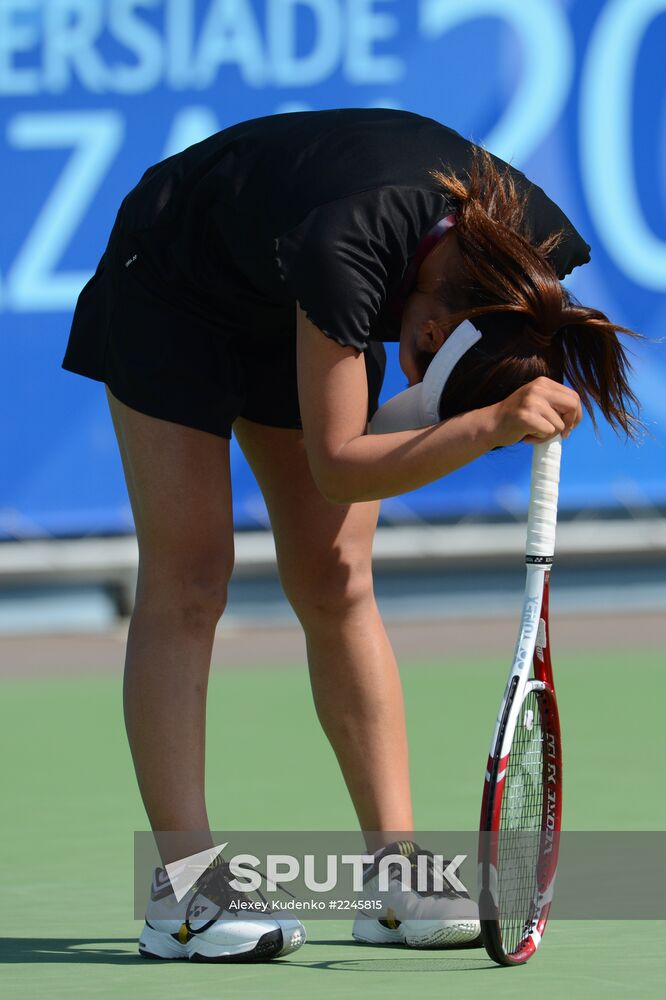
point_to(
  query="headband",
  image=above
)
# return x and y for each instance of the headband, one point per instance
(418, 406)
(427, 244)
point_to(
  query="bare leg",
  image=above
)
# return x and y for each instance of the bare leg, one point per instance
(179, 485)
(324, 554)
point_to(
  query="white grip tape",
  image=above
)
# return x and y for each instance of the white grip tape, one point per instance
(542, 515)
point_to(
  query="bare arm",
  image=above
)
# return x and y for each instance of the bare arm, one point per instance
(350, 466)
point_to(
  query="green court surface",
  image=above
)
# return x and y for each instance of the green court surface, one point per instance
(69, 809)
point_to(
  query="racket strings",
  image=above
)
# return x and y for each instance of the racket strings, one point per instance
(520, 824)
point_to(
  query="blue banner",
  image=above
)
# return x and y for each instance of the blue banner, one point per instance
(93, 91)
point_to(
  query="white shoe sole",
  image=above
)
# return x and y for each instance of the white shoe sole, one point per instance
(418, 933)
(284, 939)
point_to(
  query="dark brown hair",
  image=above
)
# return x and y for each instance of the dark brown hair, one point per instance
(532, 326)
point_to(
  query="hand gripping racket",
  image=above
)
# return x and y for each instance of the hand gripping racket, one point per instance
(522, 795)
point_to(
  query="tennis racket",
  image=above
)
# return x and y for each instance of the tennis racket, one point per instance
(522, 796)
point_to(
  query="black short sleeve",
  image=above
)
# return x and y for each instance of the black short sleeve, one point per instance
(346, 256)
(543, 217)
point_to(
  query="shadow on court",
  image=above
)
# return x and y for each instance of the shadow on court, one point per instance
(121, 951)
(86, 951)
(396, 965)
(384, 958)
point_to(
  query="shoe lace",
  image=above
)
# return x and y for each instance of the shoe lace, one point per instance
(215, 885)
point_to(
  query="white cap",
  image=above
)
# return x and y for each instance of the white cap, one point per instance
(418, 406)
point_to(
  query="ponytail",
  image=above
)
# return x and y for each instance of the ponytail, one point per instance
(596, 365)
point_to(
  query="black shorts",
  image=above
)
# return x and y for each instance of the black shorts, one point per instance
(159, 354)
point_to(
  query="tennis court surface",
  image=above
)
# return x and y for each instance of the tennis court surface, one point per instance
(71, 806)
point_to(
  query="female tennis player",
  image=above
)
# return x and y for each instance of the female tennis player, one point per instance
(248, 284)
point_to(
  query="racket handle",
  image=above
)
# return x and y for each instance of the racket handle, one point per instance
(542, 514)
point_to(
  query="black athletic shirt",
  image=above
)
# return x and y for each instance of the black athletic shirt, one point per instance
(322, 207)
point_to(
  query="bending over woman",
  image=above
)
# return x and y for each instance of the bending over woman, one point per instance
(248, 284)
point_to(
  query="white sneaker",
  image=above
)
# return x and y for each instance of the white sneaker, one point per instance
(418, 919)
(201, 927)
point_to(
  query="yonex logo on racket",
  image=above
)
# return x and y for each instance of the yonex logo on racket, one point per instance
(550, 816)
(530, 614)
